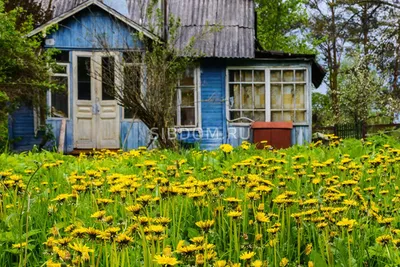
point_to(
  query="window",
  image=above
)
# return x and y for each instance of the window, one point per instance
(186, 100)
(84, 78)
(108, 78)
(267, 95)
(133, 76)
(59, 101)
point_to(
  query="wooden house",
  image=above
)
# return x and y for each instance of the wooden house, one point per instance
(234, 84)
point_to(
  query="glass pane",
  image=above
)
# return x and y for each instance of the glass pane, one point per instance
(234, 75)
(259, 96)
(288, 75)
(234, 96)
(187, 97)
(62, 57)
(276, 76)
(276, 96)
(259, 76)
(133, 57)
(300, 96)
(187, 116)
(108, 77)
(59, 69)
(247, 97)
(59, 100)
(234, 115)
(300, 75)
(259, 115)
(288, 116)
(300, 116)
(276, 116)
(248, 114)
(247, 76)
(84, 79)
(288, 91)
(188, 78)
(132, 78)
(128, 114)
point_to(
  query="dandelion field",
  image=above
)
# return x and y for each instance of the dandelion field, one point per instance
(332, 205)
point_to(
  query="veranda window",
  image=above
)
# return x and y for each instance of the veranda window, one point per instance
(267, 95)
(133, 76)
(186, 100)
(58, 101)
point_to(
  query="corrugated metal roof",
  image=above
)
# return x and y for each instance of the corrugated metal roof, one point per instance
(236, 39)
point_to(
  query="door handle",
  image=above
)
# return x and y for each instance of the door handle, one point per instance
(96, 108)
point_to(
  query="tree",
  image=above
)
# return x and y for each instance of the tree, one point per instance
(33, 10)
(282, 25)
(151, 76)
(328, 27)
(363, 90)
(321, 109)
(24, 66)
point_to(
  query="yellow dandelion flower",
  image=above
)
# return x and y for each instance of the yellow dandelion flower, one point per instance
(166, 261)
(247, 255)
(20, 245)
(284, 262)
(226, 148)
(82, 250)
(220, 263)
(308, 249)
(205, 225)
(383, 240)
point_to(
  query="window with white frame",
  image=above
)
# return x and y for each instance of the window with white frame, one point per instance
(133, 76)
(187, 100)
(268, 95)
(58, 101)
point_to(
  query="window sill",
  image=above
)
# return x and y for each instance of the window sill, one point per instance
(57, 119)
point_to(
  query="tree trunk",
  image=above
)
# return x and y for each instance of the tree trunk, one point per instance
(396, 91)
(335, 65)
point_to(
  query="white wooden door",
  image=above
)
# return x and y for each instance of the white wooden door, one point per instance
(108, 113)
(96, 113)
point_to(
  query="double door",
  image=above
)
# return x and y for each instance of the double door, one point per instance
(96, 111)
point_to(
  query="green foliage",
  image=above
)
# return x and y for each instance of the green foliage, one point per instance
(362, 89)
(282, 25)
(292, 205)
(321, 110)
(3, 121)
(24, 66)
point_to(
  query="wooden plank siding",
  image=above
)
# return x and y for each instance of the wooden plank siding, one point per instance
(23, 129)
(85, 29)
(213, 104)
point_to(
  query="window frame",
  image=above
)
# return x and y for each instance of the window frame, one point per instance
(197, 104)
(267, 82)
(142, 70)
(49, 93)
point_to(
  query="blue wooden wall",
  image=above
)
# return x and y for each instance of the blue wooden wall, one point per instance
(86, 28)
(213, 117)
(22, 129)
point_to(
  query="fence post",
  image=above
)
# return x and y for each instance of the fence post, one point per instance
(364, 130)
(335, 130)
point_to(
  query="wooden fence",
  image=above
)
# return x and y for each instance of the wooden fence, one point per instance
(357, 130)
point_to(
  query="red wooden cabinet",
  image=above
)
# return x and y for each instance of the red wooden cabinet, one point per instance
(278, 134)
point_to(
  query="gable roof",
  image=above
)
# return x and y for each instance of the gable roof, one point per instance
(236, 39)
(73, 9)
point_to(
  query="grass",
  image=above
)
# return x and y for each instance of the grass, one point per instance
(334, 205)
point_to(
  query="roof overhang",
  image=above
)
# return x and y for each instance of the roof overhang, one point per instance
(318, 72)
(101, 5)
